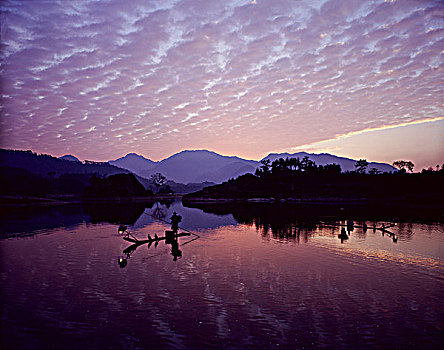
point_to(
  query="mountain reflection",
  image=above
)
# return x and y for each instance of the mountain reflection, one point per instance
(31, 220)
(114, 213)
(27, 220)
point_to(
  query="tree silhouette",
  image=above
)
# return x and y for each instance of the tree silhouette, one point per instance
(265, 168)
(307, 164)
(287, 166)
(404, 165)
(361, 166)
(278, 165)
(294, 163)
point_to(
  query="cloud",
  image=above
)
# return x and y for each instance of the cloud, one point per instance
(157, 77)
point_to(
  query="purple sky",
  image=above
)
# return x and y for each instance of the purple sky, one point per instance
(100, 79)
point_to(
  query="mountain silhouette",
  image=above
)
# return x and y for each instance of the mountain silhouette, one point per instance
(186, 167)
(44, 164)
(134, 163)
(189, 166)
(34, 169)
(201, 165)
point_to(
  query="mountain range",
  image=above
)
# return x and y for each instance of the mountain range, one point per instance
(194, 168)
(201, 165)
(189, 166)
(22, 167)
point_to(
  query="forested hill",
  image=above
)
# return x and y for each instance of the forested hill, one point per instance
(30, 174)
(44, 164)
(329, 185)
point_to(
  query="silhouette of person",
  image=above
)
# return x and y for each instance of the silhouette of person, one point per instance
(175, 219)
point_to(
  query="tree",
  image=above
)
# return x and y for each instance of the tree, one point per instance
(431, 170)
(330, 169)
(278, 165)
(374, 171)
(361, 166)
(404, 165)
(158, 180)
(265, 168)
(307, 164)
(294, 163)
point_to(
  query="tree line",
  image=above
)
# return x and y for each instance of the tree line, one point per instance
(304, 165)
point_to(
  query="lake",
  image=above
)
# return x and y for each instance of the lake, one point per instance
(259, 276)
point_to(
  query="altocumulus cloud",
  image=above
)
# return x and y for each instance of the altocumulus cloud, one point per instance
(101, 78)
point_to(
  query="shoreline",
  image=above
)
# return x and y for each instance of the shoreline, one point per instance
(20, 200)
(56, 200)
(315, 200)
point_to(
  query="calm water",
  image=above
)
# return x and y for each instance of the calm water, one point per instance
(263, 277)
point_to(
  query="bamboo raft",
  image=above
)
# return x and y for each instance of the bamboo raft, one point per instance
(150, 239)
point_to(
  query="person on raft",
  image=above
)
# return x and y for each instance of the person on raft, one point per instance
(175, 219)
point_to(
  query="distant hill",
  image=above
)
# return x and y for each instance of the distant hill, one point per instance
(29, 173)
(32, 173)
(134, 163)
(229, 171)
(70, 158)
(199, 166)
(188, 188)
(178, 188)
(115, 186)
(202, 165)
(189, 166)
(44, 164)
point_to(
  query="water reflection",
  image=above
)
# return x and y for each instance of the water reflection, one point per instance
(239, 286)
(114, 213)
(25, 220)
(129, 251)
(193, 218)
(276, 221)
(246, 212)
(171, 238)
(31, 220)
(273, 221)
(301, 222)
(343, 235)
(348, 227)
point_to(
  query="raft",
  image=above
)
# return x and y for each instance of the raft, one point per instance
(156, 239)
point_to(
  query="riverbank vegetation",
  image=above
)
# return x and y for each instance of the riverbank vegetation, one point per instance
(303, 180)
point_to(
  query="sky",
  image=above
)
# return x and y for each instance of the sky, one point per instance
(100, 79)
